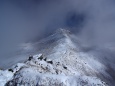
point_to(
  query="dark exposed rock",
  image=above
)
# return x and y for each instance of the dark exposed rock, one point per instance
(51, 62)
(41, 57)
(30, 57)
(65, 67)
(45, 59)
(10, 70)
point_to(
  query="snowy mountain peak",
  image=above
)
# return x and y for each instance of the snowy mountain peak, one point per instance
(60, 30)
(59, 64)
(64, 32)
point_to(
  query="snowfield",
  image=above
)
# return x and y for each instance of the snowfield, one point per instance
(61, 63)
(37, 72)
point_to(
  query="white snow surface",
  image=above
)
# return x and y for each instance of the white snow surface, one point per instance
(5, 76)
(60, 64)
(38, 72)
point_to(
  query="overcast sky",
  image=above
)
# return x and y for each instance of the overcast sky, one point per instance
(29, 20)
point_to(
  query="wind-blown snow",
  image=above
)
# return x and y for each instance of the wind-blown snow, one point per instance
(60, 64)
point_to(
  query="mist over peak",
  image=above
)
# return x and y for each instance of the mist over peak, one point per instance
(28, 21)
(63, 31)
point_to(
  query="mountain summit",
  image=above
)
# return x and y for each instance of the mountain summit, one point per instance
(55, 61)
(62, 31)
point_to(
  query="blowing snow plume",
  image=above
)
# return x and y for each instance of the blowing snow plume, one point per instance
(61, 63)
(28, 20)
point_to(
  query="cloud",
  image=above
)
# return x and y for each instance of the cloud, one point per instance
(100, 25)
(30, 20)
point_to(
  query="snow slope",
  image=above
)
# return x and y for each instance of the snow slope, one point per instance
(62, 63)
(36, 72)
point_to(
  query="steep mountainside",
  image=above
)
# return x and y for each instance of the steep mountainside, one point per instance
(61, 63)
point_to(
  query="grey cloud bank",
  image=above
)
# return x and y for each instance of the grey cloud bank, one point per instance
(93, 21)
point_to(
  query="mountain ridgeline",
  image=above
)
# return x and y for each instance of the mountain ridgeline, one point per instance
(58, 60)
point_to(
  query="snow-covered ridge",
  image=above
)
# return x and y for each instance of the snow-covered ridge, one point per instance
(37, 71)
(60, 64)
